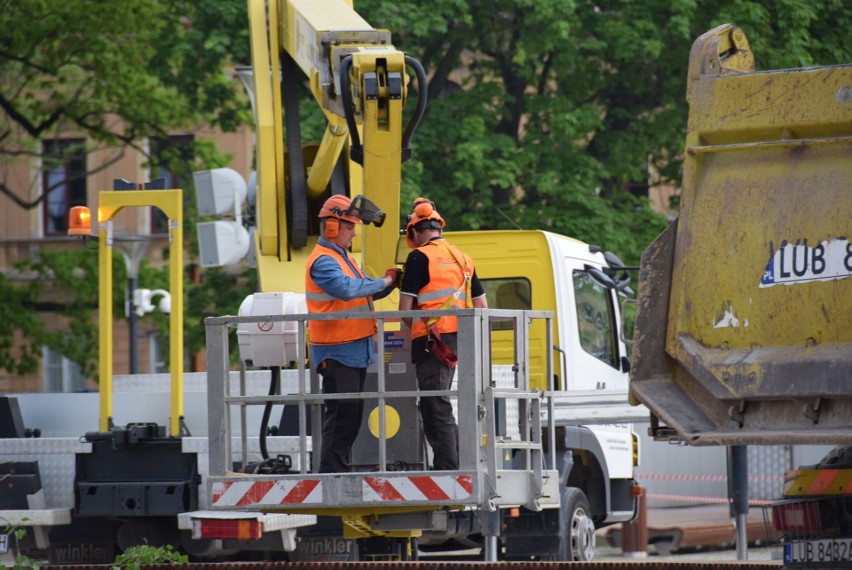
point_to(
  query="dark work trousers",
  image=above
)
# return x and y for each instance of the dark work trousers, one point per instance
(342, 418)
(436, 412)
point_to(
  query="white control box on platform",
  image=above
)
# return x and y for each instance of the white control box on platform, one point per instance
(270, 343)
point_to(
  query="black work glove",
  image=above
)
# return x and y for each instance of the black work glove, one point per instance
(396, 275)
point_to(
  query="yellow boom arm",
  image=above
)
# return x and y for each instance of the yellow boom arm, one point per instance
(359, 80)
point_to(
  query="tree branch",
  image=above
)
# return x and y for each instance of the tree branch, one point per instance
(445, 66)
(29, 205)
(14, 197)
(545, 71)
(27, 62)
(32, 130)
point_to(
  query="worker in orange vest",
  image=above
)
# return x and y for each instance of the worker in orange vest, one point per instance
(437, 276)
(342, 349)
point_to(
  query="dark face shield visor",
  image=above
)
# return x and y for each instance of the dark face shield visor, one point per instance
(366, 211)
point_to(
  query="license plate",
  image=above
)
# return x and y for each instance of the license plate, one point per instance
(4, 543)
(828, 551)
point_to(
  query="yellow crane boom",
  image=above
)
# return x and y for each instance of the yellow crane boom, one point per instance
(359, 80)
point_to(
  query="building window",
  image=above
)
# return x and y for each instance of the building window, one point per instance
(63, 182)
(595, 318)
(171, 160)
(60, 374)
(156, 355)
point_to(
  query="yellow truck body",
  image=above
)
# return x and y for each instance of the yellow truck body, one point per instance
(543, 271)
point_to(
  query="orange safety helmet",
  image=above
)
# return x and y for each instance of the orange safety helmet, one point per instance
(423, 215)
(337, 206)
(358, 210)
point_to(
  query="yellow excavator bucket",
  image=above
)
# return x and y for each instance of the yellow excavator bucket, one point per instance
(744, 325)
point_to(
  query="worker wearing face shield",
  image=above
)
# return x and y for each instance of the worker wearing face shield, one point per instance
(342, 349)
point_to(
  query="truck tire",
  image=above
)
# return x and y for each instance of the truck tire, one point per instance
(576, 529)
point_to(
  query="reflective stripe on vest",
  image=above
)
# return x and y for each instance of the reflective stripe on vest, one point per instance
(446, 279)
(440, 295)
(318, 301)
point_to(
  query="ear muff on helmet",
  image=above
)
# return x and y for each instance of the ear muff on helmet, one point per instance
(423, 216)
(423, 208)
(332, 227)
(333, 210)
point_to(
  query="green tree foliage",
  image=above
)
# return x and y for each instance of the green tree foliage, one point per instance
(221, 293)
(71, 68)
(545, 113)
(64, 284)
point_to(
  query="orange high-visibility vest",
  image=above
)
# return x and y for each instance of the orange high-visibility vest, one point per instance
(450, 274)
(318, 301)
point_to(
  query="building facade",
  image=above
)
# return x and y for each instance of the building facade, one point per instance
(29, 225)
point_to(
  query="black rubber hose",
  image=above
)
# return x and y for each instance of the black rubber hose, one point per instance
(419, 110)
(274, 389)
(356, 150)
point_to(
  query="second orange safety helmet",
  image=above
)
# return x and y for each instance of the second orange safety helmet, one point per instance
(423, 215)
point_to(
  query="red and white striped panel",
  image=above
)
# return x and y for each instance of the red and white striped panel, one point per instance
(422, 488)
(247, 493)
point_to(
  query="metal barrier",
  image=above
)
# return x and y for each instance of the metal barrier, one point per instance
(487, 477)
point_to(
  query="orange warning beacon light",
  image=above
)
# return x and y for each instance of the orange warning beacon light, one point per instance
(79, 221)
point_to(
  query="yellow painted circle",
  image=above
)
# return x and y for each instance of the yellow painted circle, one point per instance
(391, 422)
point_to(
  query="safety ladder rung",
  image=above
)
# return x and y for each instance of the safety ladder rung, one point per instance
(516, 393)
(509, 444)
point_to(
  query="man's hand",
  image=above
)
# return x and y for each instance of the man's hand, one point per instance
(396, 276)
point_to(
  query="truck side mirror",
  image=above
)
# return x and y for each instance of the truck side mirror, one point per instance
(623, 286)
(601, 277)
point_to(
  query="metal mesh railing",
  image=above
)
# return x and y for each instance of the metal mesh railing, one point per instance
(479, 397)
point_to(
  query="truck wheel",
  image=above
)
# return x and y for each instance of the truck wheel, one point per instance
(576, 529)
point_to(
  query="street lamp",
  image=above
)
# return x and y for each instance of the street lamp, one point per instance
(133, 248)
(143, 300)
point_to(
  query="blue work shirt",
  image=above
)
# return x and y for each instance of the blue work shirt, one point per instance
(327, 274)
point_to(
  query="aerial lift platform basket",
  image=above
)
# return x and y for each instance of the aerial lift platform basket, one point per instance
(496, 470)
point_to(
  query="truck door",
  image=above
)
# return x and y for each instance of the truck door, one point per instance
(590, 351)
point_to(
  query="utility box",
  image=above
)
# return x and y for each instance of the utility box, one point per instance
(270, 343)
